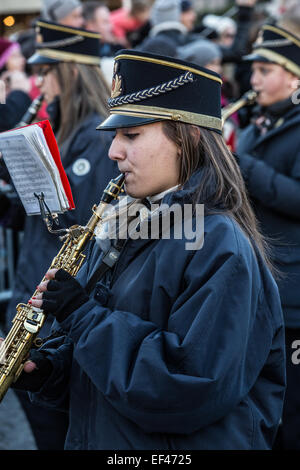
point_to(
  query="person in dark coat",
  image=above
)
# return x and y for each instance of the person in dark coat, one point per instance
(178, 343)
(269, 157)
(76, 91)
(12, 111)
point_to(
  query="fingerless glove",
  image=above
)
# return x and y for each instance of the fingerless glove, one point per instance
(33, 381)
(64, 295)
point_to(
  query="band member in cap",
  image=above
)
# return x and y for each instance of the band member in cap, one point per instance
(180, 343)
(67, 60)
(269, 157)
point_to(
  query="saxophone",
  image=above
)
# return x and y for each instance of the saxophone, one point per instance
(29, 320)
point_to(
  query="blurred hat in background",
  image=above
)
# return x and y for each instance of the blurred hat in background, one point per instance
(277, 45)
(200, 52)
(6, 49)
(158, 45)
(165, 11)
(55, 10)
(58, 43)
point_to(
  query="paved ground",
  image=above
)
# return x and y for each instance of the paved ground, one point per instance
(15, 432)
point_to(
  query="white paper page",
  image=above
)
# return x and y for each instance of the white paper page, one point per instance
(39, 142)
(35, 137)
(28, 173)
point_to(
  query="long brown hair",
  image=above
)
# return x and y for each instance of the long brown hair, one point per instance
(221, 172)
(83, 90)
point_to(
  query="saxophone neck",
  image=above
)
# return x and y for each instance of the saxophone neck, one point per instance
(96, 217)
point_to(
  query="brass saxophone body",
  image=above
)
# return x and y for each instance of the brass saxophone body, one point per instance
(247, 99)
(29, 320)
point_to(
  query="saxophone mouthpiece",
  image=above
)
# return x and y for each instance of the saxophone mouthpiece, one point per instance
(113, 189)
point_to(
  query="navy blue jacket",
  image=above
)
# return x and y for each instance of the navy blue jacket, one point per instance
(11, 112)
(89, 170)
(270, 165)
(185, 352)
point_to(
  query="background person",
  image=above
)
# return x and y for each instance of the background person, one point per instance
(269, 158)
(65, 12)
(97, 18)
(76, 93)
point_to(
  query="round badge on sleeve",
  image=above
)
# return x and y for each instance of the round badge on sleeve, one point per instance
(81, 167)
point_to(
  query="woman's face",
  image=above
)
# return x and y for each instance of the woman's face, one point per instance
(149, 160)
(272, 82)
(48, 83)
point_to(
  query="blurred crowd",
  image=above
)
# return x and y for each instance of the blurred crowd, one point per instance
(168, 27)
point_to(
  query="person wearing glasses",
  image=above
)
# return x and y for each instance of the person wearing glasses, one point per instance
(72, 83)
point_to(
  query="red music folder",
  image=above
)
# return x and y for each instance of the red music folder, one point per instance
(33, 160)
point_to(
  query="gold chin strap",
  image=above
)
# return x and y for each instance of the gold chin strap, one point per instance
(70, 57)
(171, 114)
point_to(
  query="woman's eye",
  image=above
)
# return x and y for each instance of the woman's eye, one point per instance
(264, 71)
(131, 136)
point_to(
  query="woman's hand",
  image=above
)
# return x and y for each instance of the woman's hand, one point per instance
(37, 369)
(15, 80)
(60, 294)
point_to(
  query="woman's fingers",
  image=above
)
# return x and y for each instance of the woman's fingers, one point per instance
(29, 366)
(51, 274)
(35, 302)
(42, 287)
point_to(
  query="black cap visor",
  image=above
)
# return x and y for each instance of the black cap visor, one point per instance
(255, 58)
(117, 121)
(37, 59)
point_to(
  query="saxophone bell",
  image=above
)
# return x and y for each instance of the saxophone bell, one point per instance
(247, 99)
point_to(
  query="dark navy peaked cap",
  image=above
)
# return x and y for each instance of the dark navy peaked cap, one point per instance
(148, 87)
(59, 43)
(277, 45)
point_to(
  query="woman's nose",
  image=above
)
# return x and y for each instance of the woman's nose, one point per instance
(254, 79)
(116, 150)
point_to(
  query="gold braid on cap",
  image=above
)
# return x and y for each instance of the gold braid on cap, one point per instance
(60, 42)
(154, 91)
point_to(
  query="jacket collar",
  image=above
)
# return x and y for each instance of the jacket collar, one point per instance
(288, 119)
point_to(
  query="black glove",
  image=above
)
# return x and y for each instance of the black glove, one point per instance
(33, 381)
(64, 295)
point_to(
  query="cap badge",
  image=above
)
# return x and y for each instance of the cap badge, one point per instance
(116, 87)
(39, 37)
(259, 39)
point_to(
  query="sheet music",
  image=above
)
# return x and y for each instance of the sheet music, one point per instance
(39, 143)
(28, 173)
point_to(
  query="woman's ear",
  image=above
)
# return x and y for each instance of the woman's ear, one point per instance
(195, 134)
